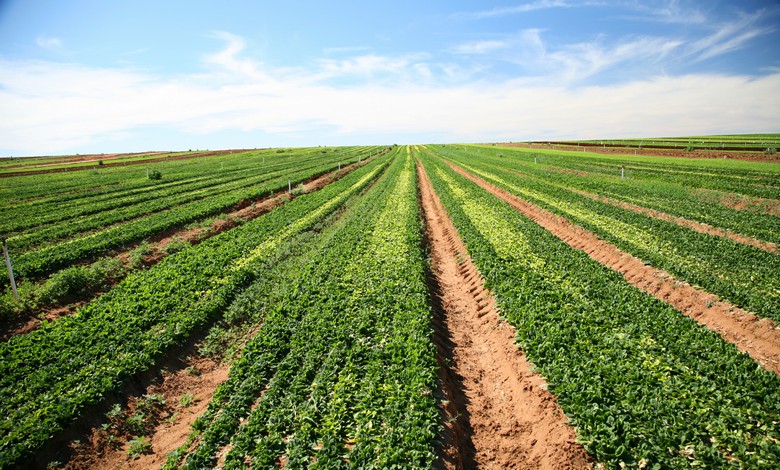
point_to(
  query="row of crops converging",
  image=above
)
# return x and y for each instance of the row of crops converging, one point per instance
(341, 368)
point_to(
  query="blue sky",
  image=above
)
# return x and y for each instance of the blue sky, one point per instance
(84, 76)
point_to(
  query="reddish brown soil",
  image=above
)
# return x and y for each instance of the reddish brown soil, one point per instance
(691, 224)
(497, 413)
(759, 338)
(198, 377)
(739, 202)
(731, 155)
(247, 210)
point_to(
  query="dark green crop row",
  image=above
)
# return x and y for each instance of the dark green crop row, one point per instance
(52, 375)
(244, 167)
(64, 187)
(23, 217)
(644, 385)
(342, 371)
(660, 193)
(46, 259)
(101, 216)
(742, 274)
(739, 177)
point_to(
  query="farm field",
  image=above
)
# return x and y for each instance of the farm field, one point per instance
(447, 306)
(767, 143)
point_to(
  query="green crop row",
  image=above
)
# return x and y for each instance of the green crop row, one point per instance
(735, 176)
(53, 233)
(46, 259)
(197, 175)
(23, 217)
(742, 274)
(53, 374)
(65, 186)
(661, 193)
(644, 385)
(342, 371)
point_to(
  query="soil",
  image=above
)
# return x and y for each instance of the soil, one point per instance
(683, 222)
(667, 152)
(170, 424)
(245, 211)
(496, 412)
(758, 337)
(739, 202)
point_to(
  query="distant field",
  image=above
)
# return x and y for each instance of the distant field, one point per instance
(743, 142)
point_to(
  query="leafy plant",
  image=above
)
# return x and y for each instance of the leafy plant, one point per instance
(138, 446)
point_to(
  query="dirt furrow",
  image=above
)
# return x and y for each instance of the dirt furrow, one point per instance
(758, 337)
(497, 413)
(683, 222)
(185, 391)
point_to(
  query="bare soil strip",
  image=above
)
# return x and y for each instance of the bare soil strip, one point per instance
(246, 211)
(758, 337)
(739, 202)
(497, 413)
(691, 224)
(187, 391)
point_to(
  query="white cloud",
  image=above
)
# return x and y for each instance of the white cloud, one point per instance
(479, 47)
(525, 8)
(669, 11)
(47, 42)
(570, 63)
(728, 37)
(49, 107)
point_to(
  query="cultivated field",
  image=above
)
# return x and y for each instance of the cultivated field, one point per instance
(448, 306)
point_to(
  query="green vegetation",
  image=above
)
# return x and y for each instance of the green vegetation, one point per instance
(323, 310)
(342, 368)
(744, 275)
(55, 232)
(741, 142)
(643, 385)
(51, 375)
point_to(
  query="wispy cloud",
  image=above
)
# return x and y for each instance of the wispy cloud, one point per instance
(729, 36)
(667, 11)
(479, 47)
(50, 107)
(48, 42)
(569, 63)
(525, 8)
(344, 50)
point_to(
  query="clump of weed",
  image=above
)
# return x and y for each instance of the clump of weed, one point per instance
(138, 446)
(176, 245)
(138, 253)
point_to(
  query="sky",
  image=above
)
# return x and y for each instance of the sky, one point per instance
(87, 76)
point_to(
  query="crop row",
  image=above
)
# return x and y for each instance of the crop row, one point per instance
(61, 188)
(661, 194)
(342, 370)
(733, 176)
(49, 258)
(643, 385)
(51, 375)
(20, 217)
(101, 216)
(744, 275)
